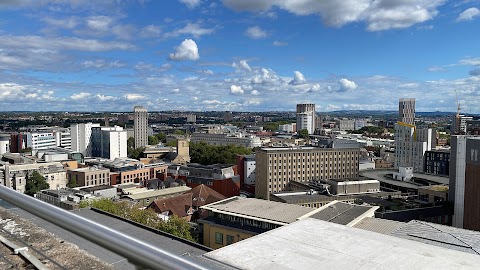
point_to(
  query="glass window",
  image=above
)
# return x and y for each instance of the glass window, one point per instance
(219, 238)
(230, 239)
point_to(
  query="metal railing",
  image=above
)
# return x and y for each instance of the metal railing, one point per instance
(139, 253)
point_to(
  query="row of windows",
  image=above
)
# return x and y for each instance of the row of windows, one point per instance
(219, 239)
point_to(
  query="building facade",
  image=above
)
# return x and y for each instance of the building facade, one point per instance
(109, 142)
(249, 141)
(306, 117)
(437, 162)
(276, 167)
(81, 137)
(15, 176)
(464, 184)
(90, 176)
(140, 126)
(406, 111)
(411, 144)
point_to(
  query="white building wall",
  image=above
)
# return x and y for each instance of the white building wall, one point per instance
(459, 205)
(249, 172)
(81, 137)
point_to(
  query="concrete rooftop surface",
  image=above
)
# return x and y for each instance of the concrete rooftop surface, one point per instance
(316, 244)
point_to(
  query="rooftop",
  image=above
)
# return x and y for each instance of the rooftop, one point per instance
(311, 243)
(342, 213)
(157, 193)
(261, 209)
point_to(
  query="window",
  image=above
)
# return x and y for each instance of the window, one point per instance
(219, 238)
(230, 239)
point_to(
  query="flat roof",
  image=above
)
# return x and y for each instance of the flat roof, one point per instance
(260, 209)
(314, 244)
(96, 188)
(157, 192)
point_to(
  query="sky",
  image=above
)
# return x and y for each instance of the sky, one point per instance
(239, 55)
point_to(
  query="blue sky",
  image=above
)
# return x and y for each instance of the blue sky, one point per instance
(238, 55)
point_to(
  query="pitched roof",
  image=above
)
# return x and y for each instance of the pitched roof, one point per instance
(177, 205)
(269, 211)
(203, 195)
(440, 235)
(379, 225)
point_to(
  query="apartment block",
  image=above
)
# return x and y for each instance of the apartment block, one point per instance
(411, 143)
(15, 176)
(276, 167)
(81, 137)
(109, 142)
(90, 176)
(437, 162)
(140, 126)
(306, 117)
(406, 111)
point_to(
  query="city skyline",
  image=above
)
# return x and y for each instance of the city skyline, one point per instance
(237, 55)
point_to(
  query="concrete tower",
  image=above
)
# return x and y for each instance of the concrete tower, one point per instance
(306, 117)
(140, 125)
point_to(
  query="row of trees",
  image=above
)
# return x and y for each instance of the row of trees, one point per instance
(209, 154)
(175, 225)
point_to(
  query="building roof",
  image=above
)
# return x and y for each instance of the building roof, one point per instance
(342, 213)
(440, 235)
(157, 193)
(313, 244)
(203, 195)
(274, 212)
(176, 205)
(378, 225)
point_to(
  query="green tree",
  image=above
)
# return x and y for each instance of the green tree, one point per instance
(131, 142)
(153, 140)
(35, 183)
(161, 137)
(72, 183)
(136, 153)
(209, 154)
(176, 226)
(303, 134)
(179, 132)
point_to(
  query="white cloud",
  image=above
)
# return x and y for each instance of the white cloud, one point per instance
(346, 85)
(255, 32)
(468, 14)
(279, 43)
(79, 96)
(62, 43)
(191, 3)
(378, 15)
(150, 31)
(255, 93)
(66, 23)
(470, 61)
(134, 97)
(187, 50)
(298, 78)
(191, 29)
(242, 65)
(102, 64)
(236, 90)
(99, 23)
(176, 91)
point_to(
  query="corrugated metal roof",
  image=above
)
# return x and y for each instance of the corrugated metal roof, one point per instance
(269, 210)
(340, 213)
(378, 225)
(440, 235)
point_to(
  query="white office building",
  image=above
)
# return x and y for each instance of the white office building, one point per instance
(109, 142)
(81, 137)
